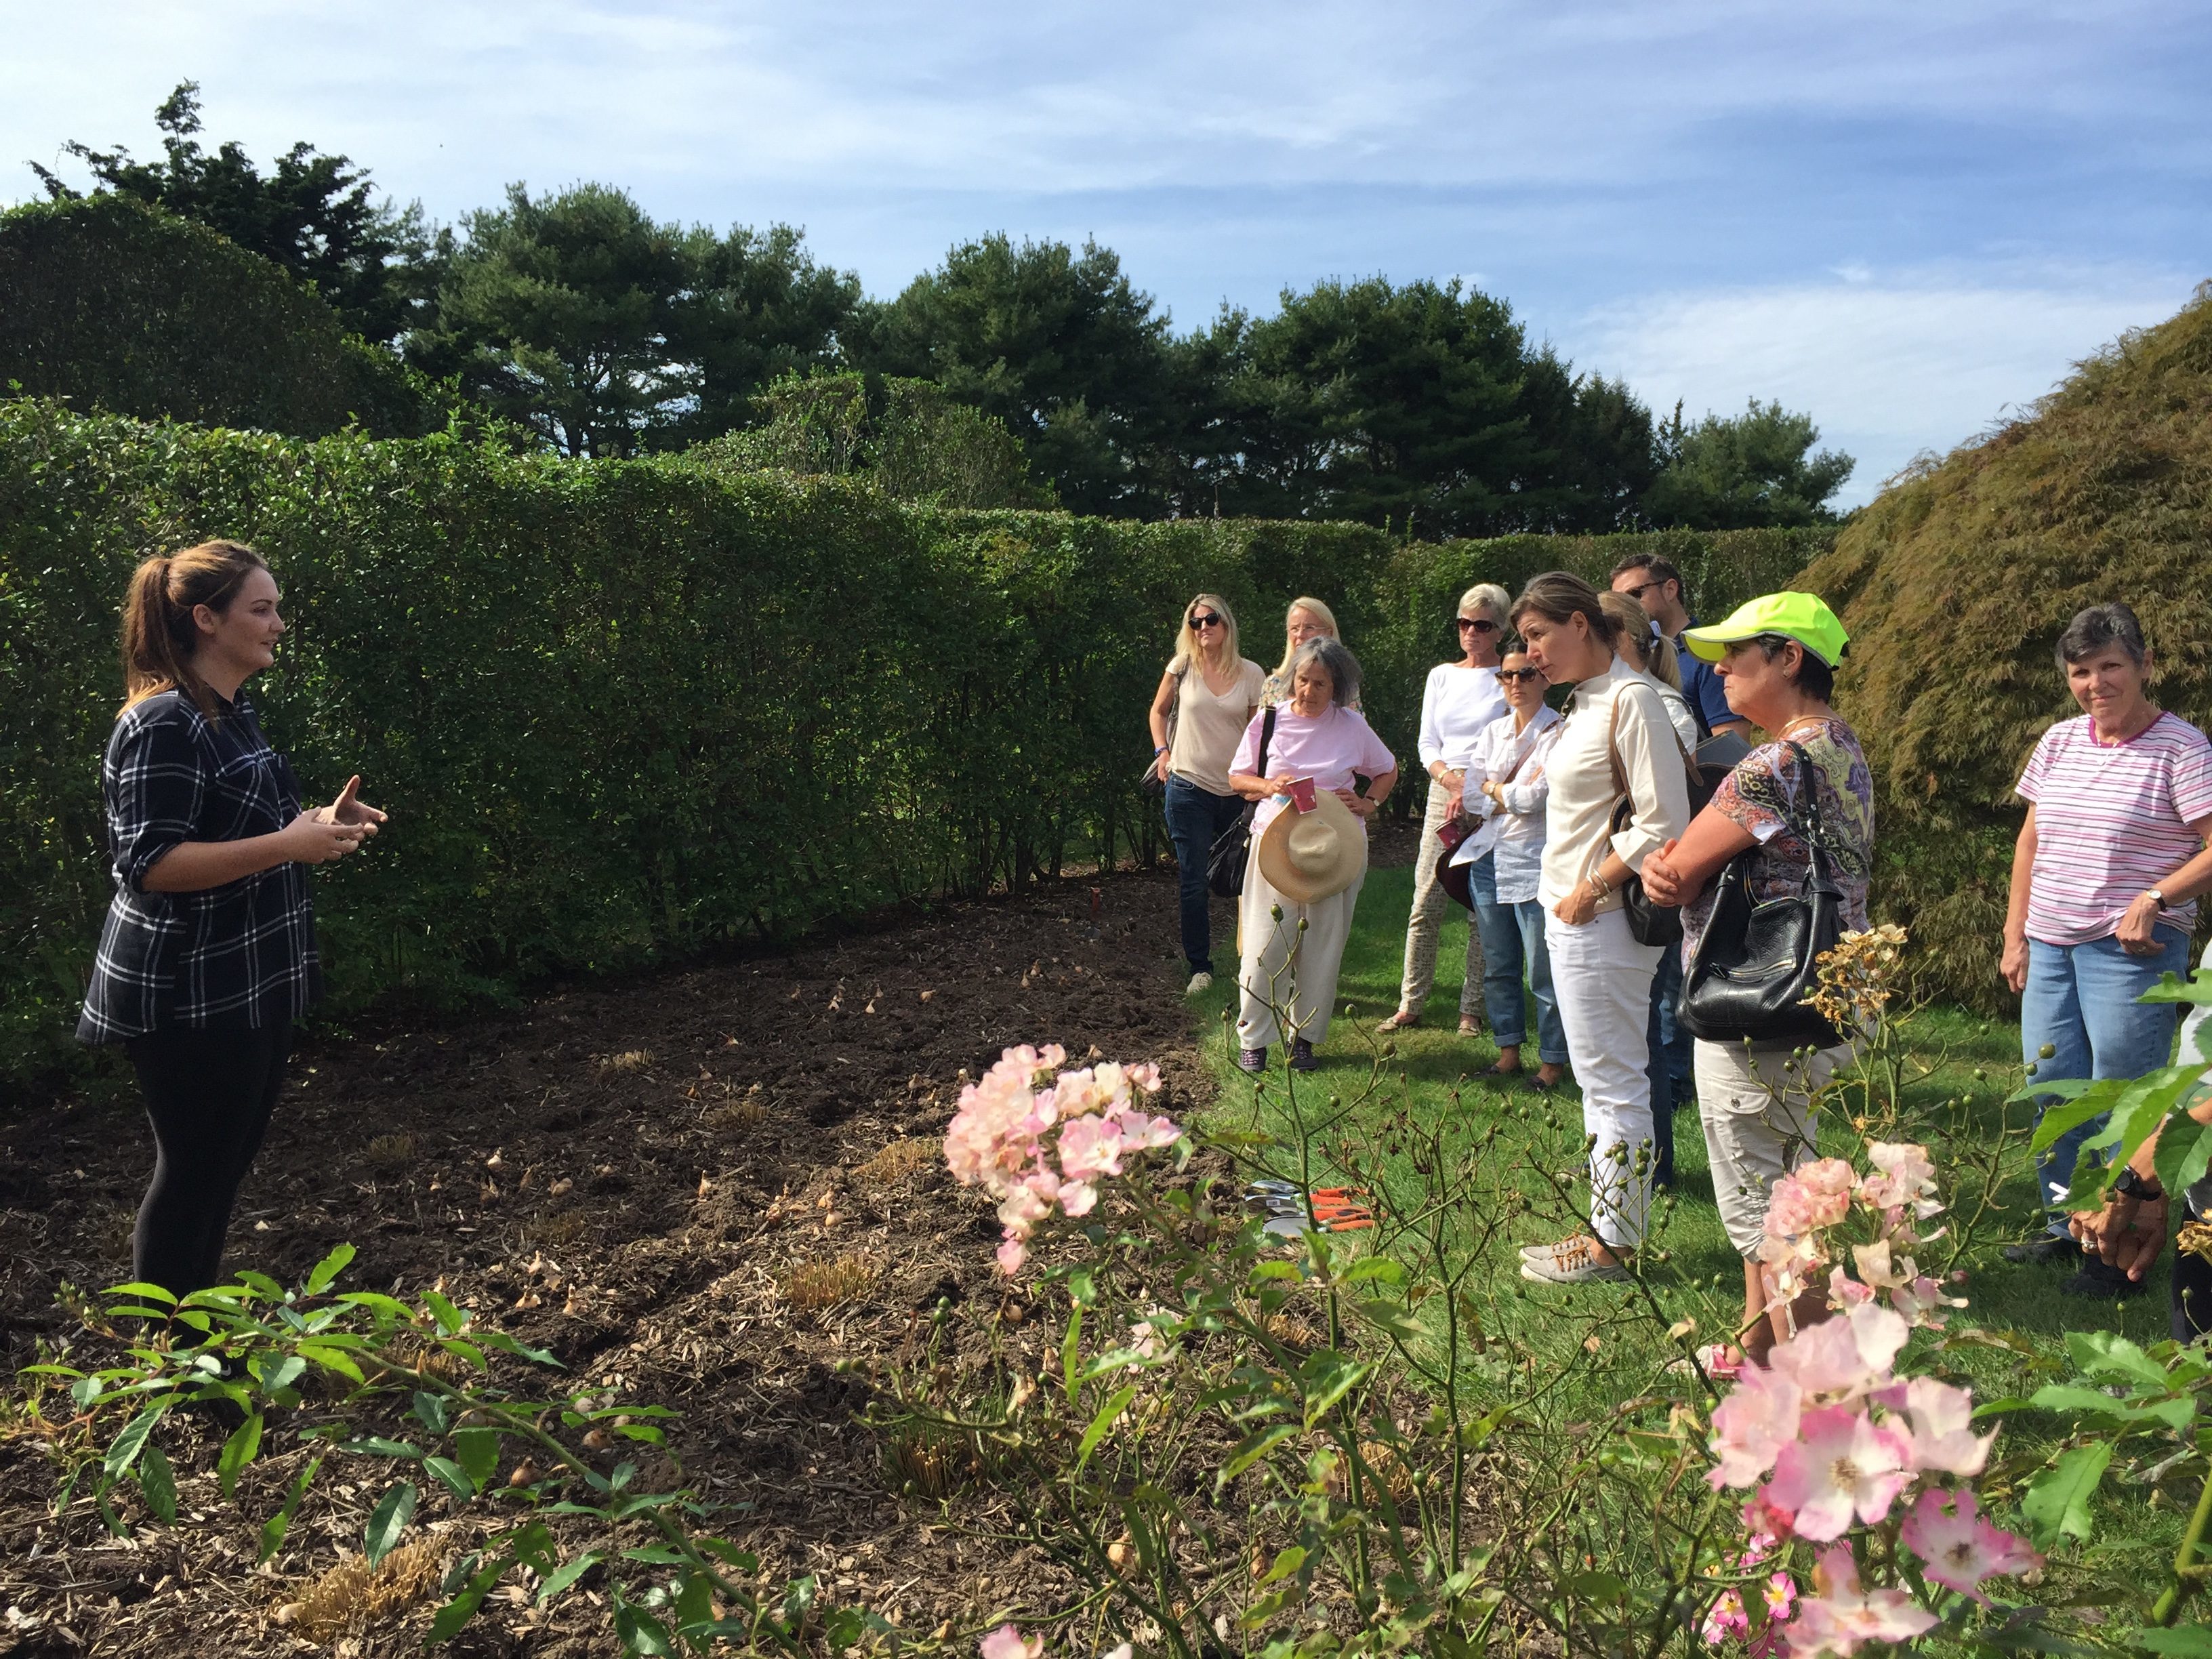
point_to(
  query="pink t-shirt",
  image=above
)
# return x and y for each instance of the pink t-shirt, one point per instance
(1328, 748)
(2111, 821)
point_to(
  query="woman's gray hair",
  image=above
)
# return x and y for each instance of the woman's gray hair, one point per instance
(2101, 625)
(1485, 596)
(1332, 659)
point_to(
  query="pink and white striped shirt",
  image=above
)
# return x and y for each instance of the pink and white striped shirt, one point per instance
(2111, 821)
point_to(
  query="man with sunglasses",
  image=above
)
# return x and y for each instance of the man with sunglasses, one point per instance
(1656, 584)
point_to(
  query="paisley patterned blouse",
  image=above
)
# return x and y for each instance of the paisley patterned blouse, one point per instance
(1761, 796)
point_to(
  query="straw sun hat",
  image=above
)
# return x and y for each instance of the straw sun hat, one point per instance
(1309, 856)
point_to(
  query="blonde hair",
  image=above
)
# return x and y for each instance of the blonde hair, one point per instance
(1485, 596)
(1188, 649)
(1327, 621)
(159, 634)
(1657, 650)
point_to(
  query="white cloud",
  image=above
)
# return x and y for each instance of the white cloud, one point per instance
(1889, 365)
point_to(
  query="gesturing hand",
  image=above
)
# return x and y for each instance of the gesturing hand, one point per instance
(314, 838)
(348, 810)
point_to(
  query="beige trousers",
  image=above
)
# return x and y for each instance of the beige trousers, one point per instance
(1425, 928)
(1285, 969)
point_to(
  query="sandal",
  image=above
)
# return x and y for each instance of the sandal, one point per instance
(1401, 1021)
(1470, 1026)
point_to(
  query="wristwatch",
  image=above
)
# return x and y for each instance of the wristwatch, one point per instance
(2155, 897)
(2128, 1184)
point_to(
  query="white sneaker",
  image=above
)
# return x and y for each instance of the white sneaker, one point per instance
(1199, 982)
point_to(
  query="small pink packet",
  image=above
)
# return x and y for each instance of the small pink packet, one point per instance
(1301, 795)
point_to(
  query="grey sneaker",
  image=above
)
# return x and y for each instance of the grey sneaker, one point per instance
(1201, 981)
(1573, 1263)
(1252, 1060)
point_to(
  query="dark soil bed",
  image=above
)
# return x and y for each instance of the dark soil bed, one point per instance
(627, 1173)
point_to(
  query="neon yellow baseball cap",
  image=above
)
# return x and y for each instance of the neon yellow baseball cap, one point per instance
(1804, 618)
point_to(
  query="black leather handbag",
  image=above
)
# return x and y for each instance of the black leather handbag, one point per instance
(1648, 923)
(1757, 960)
(1232, 848)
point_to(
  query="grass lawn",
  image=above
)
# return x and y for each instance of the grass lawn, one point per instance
(1431, 1080)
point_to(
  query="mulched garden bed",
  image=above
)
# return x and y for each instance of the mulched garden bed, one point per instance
(630, 1174)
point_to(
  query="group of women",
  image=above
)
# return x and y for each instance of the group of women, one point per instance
(1539, 819)
(1545, 821)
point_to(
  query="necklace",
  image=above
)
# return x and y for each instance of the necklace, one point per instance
(1782, 736)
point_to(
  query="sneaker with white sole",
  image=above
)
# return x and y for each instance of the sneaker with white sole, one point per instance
(1580, 1241)
(1199, 981)
(1571, 1263)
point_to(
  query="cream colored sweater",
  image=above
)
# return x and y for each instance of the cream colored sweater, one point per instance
(1584, 789)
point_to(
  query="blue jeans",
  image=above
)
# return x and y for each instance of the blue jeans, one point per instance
(1513, 933)
(1670, 1068)
(1196, 820)
(2081, 999)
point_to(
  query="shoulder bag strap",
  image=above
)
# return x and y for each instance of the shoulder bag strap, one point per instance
(1266, 737)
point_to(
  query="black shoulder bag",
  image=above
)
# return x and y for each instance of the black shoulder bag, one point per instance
(1648, 923)
(1233, 848)
(1758, 961)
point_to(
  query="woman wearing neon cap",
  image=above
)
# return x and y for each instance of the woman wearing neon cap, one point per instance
(1776, 658)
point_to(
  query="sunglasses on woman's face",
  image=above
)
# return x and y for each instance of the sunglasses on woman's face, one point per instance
(1509, 675)
(1479, 624)
(1209, 620)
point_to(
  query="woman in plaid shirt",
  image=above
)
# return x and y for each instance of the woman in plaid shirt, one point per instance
(207, 955)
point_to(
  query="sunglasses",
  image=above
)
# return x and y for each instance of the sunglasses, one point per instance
(1479, 624)
(1209, 620)
(1637, 593)
(1520, 673)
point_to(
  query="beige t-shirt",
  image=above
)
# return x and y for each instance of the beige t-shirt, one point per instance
(1208, 728)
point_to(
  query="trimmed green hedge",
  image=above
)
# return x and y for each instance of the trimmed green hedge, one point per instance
(119, 306)
(623, 712)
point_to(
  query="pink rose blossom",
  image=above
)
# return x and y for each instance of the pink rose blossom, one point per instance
(1906, 1179)
(1942, 1436)
(1842, 1464)
(1839, 1359)
(998, 1138)
(1813, 1195)
(1752, 1426)
(1840, 1616)
(1725, 1619)
(1947, 1531)
(1761, 1514)
(1007, 1643)
(1089, 1146)
(1844, 1291)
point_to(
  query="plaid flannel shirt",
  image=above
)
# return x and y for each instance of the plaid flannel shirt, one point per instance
(241, 956)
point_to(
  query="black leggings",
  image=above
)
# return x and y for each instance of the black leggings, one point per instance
(209, 1094)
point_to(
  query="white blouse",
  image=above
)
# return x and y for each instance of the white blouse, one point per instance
(1456, 704)
(1581, 771)
(1513, 834)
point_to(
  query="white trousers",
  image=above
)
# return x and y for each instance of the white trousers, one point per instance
(1283, 968)
(1602, 979)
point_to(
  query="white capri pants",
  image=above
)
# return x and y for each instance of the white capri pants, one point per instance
(1601, 978)
(1284, 968)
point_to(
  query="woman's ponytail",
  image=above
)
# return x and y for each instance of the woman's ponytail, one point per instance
(159, 634)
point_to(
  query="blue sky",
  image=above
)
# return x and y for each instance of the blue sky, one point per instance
(1906, 219)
